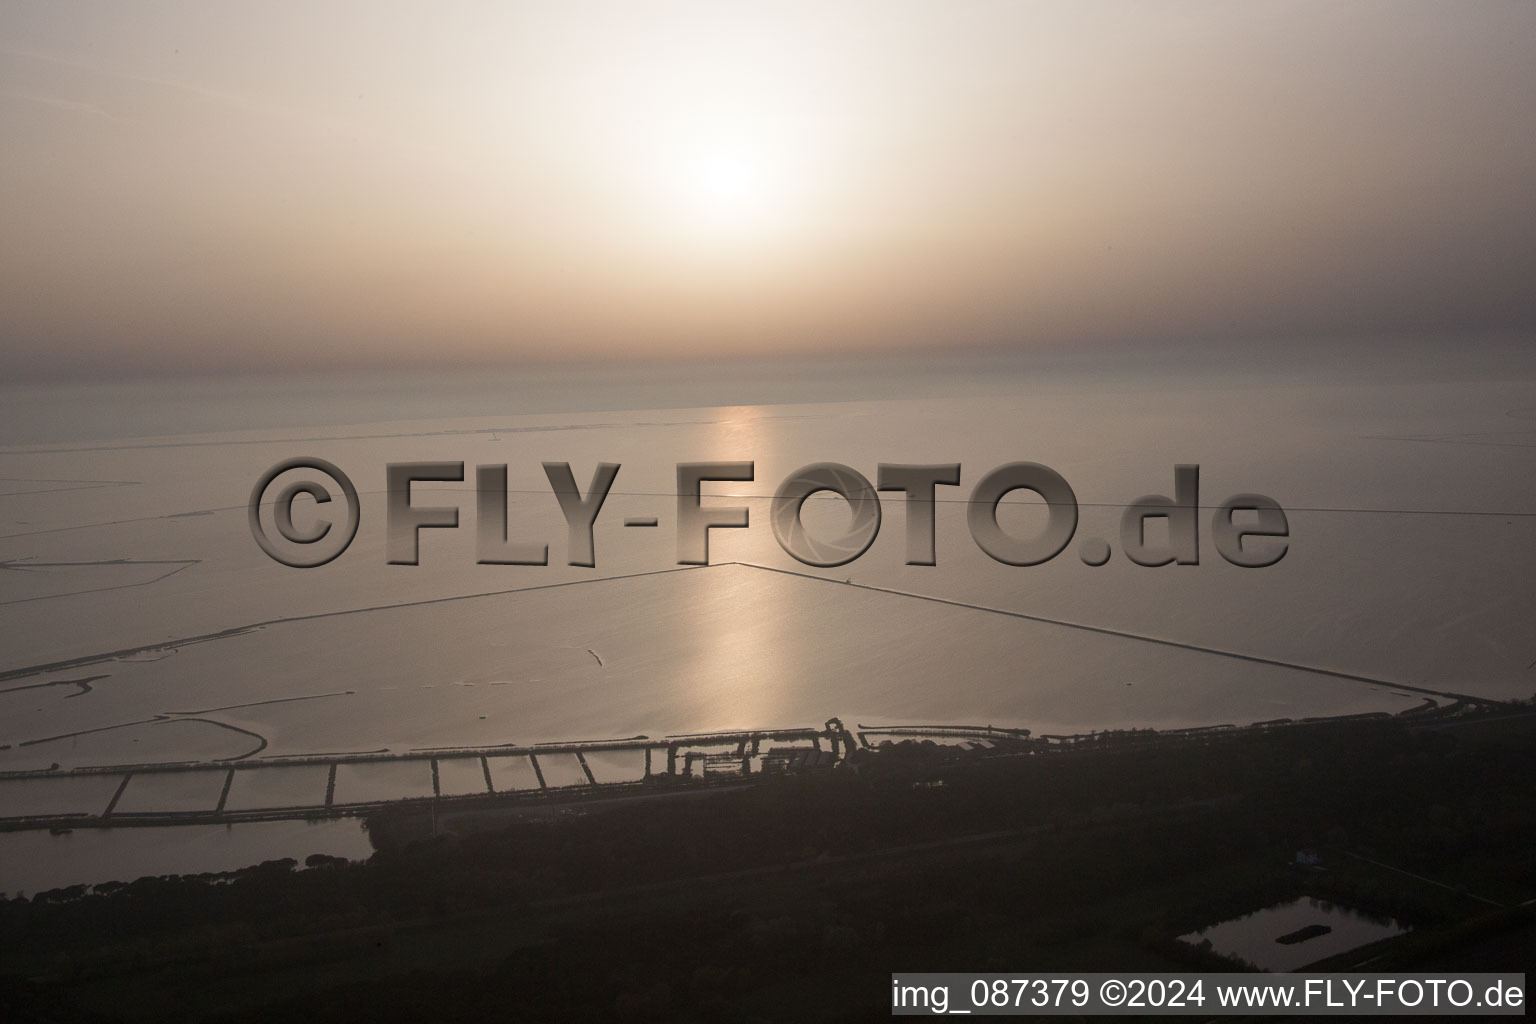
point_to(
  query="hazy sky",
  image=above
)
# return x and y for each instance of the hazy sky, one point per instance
(207, 186)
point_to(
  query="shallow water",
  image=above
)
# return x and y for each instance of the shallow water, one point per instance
(38, 861)
(1253, 937)
(128, 565)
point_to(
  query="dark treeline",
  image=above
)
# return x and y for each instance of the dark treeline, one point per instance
(908, 858)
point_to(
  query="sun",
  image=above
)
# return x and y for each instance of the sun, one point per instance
(726, 186)
(726, 182)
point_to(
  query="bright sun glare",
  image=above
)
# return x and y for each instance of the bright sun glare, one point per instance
(726, 181)
(726, 186)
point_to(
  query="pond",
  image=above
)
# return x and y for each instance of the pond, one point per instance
(1289, 936)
